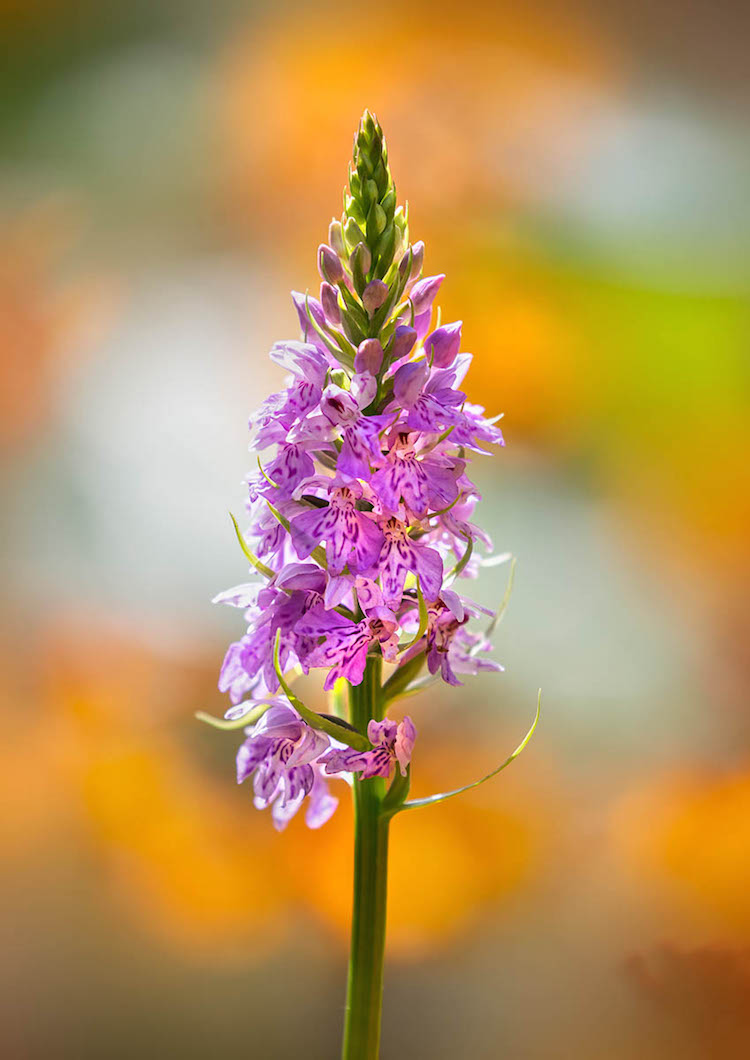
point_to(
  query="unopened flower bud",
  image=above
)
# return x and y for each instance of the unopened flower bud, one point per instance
(374, 295)
(442, 346)
(329, 264)
(376, 220)
(336, 238)
(424, 291)
(330, 302)
(410, 265)
(417, 259)
(361, 258)
(388, 202)
(360, 263)
(353, 233)
(369, 357)
(402, 342)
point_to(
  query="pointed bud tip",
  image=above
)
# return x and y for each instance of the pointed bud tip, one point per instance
(329, 264)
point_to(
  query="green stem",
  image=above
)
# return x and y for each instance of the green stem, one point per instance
(364, 993)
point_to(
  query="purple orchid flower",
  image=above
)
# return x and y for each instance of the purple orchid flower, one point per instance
(399, 556)
(475, 429)
(364, 491)
(451, 647)
(243, 664)
(279, 412)
(280, 752)
(291, 466)
(249, 662)
(351, 536)
(391, 743)
(420, 482)
(431, 402)
(344, 644)
(361, 445)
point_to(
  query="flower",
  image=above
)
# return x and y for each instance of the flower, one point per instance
(279, 753)
(416, 476)
(361, 444)
(451, 648)
(351, 536)
(399, 556)
(344, 644)
(391, 743)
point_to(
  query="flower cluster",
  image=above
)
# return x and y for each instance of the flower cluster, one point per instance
(360, 517)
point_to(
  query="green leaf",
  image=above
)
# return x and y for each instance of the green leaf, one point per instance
(464, 559)
(277, 515)
(442, 511)
(325, 459)
(317, 721)
(260, 567)
(270, 481)
(238, 723)
(415, 803)
(314, 502)
(423, 619)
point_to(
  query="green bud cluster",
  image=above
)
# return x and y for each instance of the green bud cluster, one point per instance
(372, 218)
(367, 264)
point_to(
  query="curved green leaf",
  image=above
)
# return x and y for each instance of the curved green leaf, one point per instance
(260, 567)
(464, 559)
(442, 511)
(270, 481)
(413, 804)
(238, 723)
(423, 619)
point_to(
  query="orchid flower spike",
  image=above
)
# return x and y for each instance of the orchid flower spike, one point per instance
(359, 522)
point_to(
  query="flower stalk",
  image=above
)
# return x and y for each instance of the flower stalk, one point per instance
(364, 991)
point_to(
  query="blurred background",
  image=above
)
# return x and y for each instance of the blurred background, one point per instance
(582, 176)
